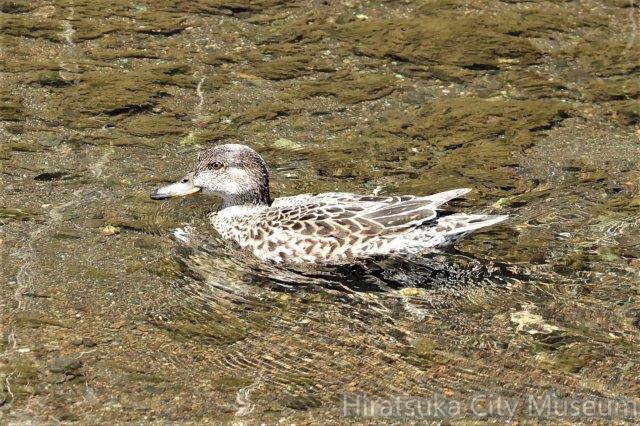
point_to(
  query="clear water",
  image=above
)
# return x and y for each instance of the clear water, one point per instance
(102, 103)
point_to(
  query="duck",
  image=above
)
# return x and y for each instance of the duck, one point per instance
(330, 228)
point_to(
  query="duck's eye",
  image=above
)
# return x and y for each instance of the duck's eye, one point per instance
(216, 165)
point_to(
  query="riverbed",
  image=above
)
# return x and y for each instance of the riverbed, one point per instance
(105, 317)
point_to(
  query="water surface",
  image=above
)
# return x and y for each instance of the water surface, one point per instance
(104, 317)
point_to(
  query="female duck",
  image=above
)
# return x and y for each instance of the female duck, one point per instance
(328, 228)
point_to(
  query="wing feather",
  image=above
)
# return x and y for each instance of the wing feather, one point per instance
(339, 198)
(341, 214)
(403, 214)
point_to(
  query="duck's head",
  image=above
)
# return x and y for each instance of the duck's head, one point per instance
(233, 172)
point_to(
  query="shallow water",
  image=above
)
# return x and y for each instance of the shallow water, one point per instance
(105, 317)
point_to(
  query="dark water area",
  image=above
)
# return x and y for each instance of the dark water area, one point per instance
(104, 317)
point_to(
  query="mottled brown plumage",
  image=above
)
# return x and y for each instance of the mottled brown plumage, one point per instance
(318, 228)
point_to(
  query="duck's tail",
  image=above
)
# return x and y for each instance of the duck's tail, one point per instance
(462, 223)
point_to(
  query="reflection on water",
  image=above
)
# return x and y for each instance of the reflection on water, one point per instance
(104, 317)
(290, 325)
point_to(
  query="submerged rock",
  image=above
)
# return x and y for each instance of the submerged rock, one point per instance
(530, 323)
(65, 364)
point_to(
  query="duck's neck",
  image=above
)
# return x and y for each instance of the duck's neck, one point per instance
(249, 201)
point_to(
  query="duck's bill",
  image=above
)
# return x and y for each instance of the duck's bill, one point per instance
(184, 186)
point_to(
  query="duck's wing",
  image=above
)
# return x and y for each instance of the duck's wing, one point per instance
(365, 217)
(398, 215)
(332, 198)
(364, 200)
